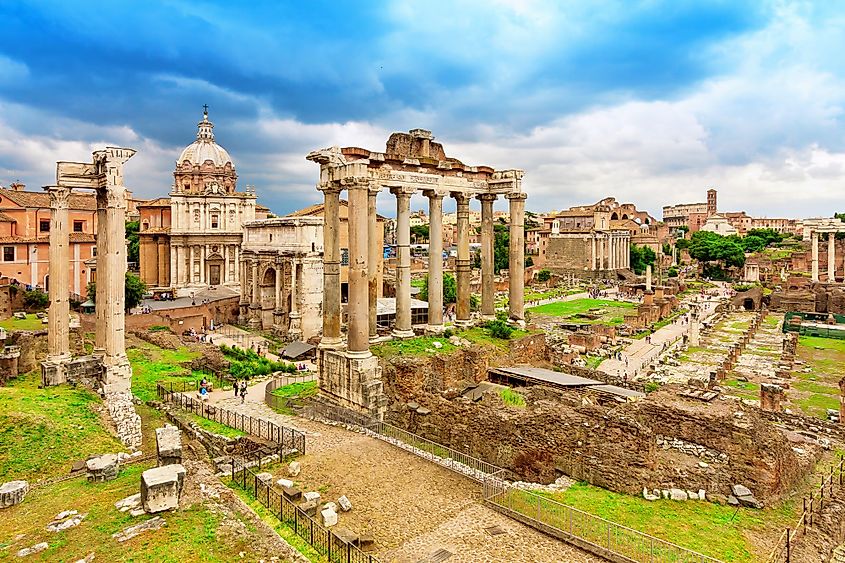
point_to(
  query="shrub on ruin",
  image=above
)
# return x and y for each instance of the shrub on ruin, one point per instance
(500, 329)
(544, 275)
(35, 299)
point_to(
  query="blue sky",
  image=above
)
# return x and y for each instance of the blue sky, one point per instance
(651, 102)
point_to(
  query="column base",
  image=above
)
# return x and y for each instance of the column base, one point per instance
(116, 376)
(488, 317)
(435, 329)
(402, 334)
(519, 323)
(53, 370)
(330, 343)
(358, 354)
(463, 323)
(353, 382)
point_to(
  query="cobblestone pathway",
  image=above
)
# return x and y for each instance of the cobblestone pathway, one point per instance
(411, 507)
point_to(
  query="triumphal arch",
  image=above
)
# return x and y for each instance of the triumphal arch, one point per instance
(411, 163)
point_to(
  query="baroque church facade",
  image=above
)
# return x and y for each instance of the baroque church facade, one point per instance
(191, 240)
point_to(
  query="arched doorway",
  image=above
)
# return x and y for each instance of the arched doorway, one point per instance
(267, 297)
(748, 304)
(614, 216)
(214, 269)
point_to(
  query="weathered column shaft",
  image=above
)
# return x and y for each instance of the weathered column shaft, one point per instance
(102, 279)
(593, 253)
(277, 300)
(357, 306)
(435, 259)
(462, 264)
(112, 237)
(255, 298)
(331, 266)
(814, 237)
(831, 254)
(516, 257)
(58, 327)
(294, 307)
(373, 261)
(162, 268)
(402, 327)
(488, 291)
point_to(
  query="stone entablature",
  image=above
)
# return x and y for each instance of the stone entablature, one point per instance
(411, 163)
(282, 276)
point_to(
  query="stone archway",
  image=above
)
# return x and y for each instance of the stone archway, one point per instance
(267, 296)
(614, 216)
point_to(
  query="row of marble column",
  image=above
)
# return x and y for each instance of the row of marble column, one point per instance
(364, 258)
(831, 255)
(250, 268)
(610, 252)
(111, 268)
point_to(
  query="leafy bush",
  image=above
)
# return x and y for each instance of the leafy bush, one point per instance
(500, 329)
(244, 363)
(35, 299)
(672, 272)
(512, 398)
(651, 386)
(544, 275)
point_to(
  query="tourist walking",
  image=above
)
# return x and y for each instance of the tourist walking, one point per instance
(237, 387)
(243, 391)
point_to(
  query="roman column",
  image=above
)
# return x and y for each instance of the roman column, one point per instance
(435, 260)
(594, 259)
(237, 261)
(462, 264)
(488, 292)
(831, 253)
(174, 265)
(814, 237)
(402, 326)
(162, 268)
(277, 299)
(295, 325)
(612, 258)
(373, 259)
(58, 327)
(357, 307)
(254, 296)
(191, 265)
(331, 266)
(224, 277)
(203, 277)
(516, 257)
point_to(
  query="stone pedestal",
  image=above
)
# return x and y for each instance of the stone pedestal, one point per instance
(161, 488)
(53, 370)
(102, 468)
(352, 381)
(169, 445)
(13, 493)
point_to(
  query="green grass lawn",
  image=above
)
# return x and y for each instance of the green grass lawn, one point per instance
(705, 527)
(301, 389)
(30, 323)
(213, 426)
(611, 312)
(191, 534)
(417, 346)
(43, 431)
(817, 391)
(151, 364)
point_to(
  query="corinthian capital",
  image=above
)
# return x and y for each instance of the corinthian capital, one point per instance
(59, 196)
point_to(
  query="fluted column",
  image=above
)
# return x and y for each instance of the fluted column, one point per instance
(58, 327)
(435, 260)
(831, 253)
(357, 307)
(402, 327)
(814, 237)
(488, 292)
(462, 264)
(373, 261)
(516, 257)
(331, 267)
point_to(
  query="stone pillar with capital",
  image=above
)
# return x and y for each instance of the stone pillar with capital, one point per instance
(402, 327)
(462, 263)
(357, 307)
(373, 260)
(814, 238)
(331, 267)
(516, 257)
(435, 260)
(255, 298)
(831, 255)
(488, 290)
(58, 327)
(295, 326)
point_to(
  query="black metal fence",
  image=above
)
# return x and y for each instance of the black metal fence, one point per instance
(289, 440)
(322, 539)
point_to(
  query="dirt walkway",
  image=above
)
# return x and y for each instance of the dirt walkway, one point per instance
(412, 508)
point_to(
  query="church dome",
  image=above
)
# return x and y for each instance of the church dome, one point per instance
(204, 148)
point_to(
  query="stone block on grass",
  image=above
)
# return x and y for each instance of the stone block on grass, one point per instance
(161, 488)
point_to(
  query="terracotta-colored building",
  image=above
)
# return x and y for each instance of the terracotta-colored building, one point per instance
(25, 232)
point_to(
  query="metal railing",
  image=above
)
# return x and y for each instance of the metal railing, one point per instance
(289, 440)
(284, 404)
(583, 529)
(813, 505)
(322, 539)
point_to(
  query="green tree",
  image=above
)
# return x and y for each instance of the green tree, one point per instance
(450, 289)
(529, 261)
(419, 233)
(753, 243)
(711, 247)
(35, 299)
(641, 256)
(133, 251)
(768, 236)
(133, 291)
(544, 275)
(501, 247)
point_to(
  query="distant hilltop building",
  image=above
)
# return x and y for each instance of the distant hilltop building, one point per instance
(705, 216)
(192, 239)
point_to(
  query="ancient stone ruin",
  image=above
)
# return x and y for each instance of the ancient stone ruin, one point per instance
(161, 488)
